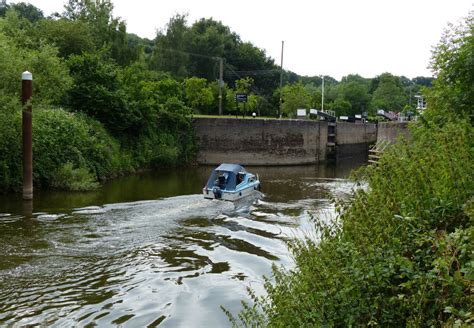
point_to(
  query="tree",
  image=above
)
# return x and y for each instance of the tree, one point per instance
(205, 41)
(355, 90)
(51, 78)
(198, 95)
(341, 107)
(28, 11)
(3, 7)
(389, 94)
(161, 90)
(109, 32)
(169, 53)
(453, 66)
(294, 96)
(423, 81)
(98, 93)
(70, 37)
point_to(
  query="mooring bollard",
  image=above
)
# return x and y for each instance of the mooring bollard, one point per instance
(26, 92)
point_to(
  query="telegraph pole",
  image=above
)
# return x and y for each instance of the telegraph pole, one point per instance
(281, 80)
(221, 82)
(26, 92)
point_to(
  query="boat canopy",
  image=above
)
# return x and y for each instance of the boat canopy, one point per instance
(225, 175)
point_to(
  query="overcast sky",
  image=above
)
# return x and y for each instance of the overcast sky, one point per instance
(330, 37)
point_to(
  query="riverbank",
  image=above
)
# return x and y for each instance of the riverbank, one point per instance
(402, 254)
(72, 151)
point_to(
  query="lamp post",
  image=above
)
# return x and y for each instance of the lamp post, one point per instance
(322, 94)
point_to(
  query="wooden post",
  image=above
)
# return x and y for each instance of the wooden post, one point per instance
(26, 92)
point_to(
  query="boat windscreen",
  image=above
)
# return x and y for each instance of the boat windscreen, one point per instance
(223, 179)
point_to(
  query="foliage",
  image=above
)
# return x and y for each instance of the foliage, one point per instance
(169, 53)
(70, 37)
(389, 94)
(199, 96)
(59, 137)
(401, 252)
(51, 78)
(341, 107)
(97, 92)
(453, 65)
(10, 143)
(294, 96)
(109, 32)
(24, 10)
(75, 179)
(355, 90)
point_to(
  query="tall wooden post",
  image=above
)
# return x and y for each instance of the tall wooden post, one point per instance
(26, 92)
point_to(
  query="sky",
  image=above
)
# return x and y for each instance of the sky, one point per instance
(321, 37)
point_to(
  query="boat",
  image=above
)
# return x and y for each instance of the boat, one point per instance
(230, 182)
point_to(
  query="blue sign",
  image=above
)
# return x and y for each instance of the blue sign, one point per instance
(241, 97)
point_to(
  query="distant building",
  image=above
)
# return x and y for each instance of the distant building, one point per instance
(421, 102)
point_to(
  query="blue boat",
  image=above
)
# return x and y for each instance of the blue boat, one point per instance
(230, 182)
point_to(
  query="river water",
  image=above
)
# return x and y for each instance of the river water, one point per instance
(149, 250)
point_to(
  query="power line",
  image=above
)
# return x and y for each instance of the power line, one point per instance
(253, 89)
(190, 53)
(228, 67)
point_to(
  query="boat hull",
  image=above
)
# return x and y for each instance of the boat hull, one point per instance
(232, 195)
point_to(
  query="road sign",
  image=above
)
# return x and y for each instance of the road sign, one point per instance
(241, 97)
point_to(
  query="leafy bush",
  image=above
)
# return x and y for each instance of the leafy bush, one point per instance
(75, 179)
(97, 92)
(10, 144)
(402, 254)
(59, 137)
(51, 78)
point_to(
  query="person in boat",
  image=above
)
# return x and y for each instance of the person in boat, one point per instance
(221, 181)
(240, 177)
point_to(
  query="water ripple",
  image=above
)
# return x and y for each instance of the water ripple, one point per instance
(168, 262)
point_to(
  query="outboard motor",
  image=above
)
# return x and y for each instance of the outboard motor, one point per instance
(217, 192)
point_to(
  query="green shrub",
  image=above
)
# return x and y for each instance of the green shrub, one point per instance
(59, 137)
(10, 145)
(402, 253)
(75, 179)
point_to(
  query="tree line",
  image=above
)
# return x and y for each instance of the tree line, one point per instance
(192, 51)
(139, 94)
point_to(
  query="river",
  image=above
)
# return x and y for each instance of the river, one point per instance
(149, 250)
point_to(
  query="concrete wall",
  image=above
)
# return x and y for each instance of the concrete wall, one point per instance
(277, 142)
(389, 131)
(258, 142)
(353, 139)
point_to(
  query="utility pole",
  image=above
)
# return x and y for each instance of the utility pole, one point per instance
(322, 95)
(26, 93)
(221, 82)
(281, 80)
